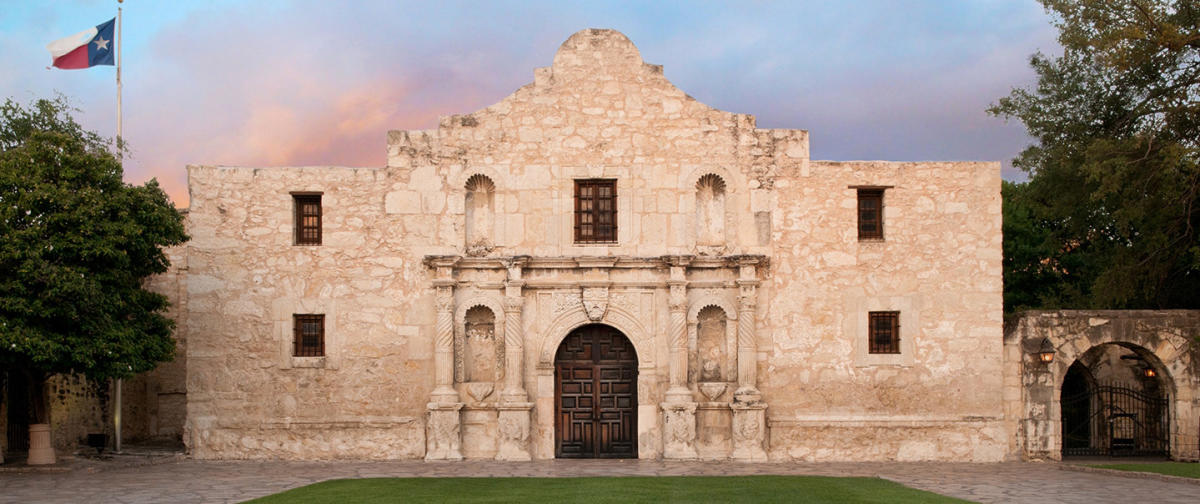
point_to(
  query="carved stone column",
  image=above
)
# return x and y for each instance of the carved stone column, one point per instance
(747, 317)
(443, 437)
(679, 410)
(514, 407)
(749, 411)
(678, 332)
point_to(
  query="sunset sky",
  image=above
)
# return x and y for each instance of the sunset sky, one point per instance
(277, 82)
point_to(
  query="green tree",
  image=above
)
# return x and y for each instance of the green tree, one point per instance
(1112, 204)
(76, 245)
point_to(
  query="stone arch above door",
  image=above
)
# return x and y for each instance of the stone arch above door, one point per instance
(616, 316)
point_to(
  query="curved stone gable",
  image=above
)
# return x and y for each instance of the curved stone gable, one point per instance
(598, 103)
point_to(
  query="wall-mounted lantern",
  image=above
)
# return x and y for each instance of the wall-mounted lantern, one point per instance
(1149, 372)
(1045, 352)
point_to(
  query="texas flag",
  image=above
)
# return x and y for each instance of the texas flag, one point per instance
(86, 49)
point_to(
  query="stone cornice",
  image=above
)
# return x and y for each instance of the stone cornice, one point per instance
(588, 262)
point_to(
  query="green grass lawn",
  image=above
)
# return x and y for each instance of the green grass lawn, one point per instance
(1185, 469)
(813, 489)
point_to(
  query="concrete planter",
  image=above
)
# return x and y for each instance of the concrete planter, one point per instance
(41, 452)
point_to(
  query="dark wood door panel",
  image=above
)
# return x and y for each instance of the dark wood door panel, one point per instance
(596, 395)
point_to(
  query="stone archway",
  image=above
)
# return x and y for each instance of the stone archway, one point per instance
(1113, 402)
(595, 394)
(1164, 340)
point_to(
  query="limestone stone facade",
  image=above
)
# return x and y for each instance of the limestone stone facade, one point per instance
(449, 279)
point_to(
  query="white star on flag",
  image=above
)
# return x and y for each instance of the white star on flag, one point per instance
(101, 44)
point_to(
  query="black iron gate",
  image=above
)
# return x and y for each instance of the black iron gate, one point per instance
(1115, 420)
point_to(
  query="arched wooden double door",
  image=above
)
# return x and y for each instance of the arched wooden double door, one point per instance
(595, 395)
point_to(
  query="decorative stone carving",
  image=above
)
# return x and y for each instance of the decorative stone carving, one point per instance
(679, 431)
(712, 391)
(444, 343)
(595, 302)
(480, 390)
(565, 301)
(443, 437)
(514, 431)
(749, 432)
(513, 350)
(479, 249)
(625, 301)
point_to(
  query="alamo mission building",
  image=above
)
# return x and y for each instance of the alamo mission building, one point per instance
(599, 265)
(596, 266)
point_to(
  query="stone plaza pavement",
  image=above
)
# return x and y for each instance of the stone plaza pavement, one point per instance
(181, 480)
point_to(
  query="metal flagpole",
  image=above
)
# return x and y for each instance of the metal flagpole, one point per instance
(121, 160)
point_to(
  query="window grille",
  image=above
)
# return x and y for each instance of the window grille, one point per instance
(308, 335)
(884, 332)
(870, 214)
(596, 211)
(308, 219)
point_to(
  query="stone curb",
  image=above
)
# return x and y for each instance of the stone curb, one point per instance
(91, 465)
(1130, 474)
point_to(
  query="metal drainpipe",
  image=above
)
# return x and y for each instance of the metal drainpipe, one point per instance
(117, 418)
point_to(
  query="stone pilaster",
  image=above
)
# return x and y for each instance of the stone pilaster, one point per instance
(679, 430)
(514, 418)
(747, 353)
(1038, 426)
(443, 436)
(749, 411)
(749, 431)
(514, 335)
(679, 410)
(514, 408)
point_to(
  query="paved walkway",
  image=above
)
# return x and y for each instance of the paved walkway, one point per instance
(179, 480)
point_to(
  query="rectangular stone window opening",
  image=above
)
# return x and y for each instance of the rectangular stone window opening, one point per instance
(884, 332)
(870, 214)
(308, 335)
(308, 218)
(596, 211)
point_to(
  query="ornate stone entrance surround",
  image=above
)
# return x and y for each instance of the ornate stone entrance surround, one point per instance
(651, 300)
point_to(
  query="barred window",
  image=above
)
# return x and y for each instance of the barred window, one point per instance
(596, 211)
(308, 218)
(884, 333)
(870, 214)
(308, 333)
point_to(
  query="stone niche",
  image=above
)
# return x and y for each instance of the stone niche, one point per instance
(483, 352)
(710, 213)
(479, 207)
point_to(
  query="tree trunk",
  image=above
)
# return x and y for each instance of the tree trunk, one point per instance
(37, 397)
(4, 439)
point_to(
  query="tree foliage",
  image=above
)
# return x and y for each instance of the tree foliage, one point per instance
(1109, 216)
(76, 245)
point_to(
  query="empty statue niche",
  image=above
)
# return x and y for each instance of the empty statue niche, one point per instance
(710, 211)
(711, 345)
(479, 205)
(480, 346)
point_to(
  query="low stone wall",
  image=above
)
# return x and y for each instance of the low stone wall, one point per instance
(372, 439)
(851, 440)
(77, 407)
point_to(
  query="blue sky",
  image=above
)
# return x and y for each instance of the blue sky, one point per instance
(308, 82)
